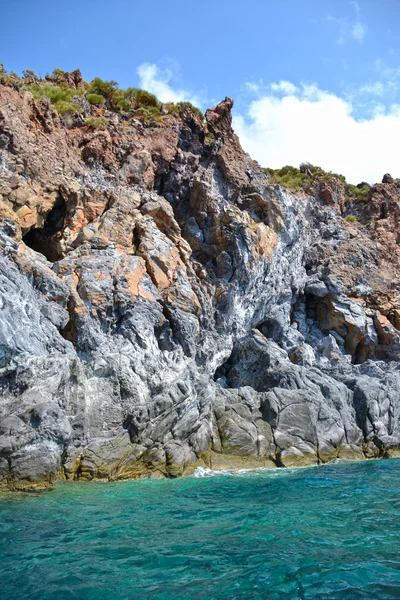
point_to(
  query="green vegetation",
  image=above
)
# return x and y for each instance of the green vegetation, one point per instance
(180, 107)
(3, 75)
(53, 92)
(29, 74)
(97, 123)
(141, 103)
(145, 99)
(11, 78)
(107, 89)
(96, 99)
(151, 115)
(64, 108)
(189, 106)
(361, 193)
(291, 178)
(307, 176)
(129, 100)
(134, 102)
(60, 96)
(351, 219)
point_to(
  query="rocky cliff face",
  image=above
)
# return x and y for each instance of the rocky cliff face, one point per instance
(164, 306)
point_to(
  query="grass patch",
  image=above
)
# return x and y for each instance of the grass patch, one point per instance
(291, 178)
(98, 92)
(97, 123)
(361, 193)
(180, 107)
(307, 176)
(193, 109)
(55, 93)
(60, 96)
(10, 79)
(148, 115)
(351, 219)
(139, 102)
(64, 108)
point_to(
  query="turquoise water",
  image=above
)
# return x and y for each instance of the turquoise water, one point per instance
(325, 532)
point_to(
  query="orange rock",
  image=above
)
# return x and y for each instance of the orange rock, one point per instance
(386, 332)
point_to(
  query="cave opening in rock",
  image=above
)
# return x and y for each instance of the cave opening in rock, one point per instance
(46, 239)
(361, 353)
(69, 331)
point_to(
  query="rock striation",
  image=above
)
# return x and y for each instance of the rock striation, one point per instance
(163, 305)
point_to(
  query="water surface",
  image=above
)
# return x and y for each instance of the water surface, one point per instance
(326, 532)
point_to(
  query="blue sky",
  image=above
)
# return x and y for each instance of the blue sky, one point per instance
(315, 80)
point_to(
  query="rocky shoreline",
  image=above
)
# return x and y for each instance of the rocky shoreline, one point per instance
(212, 465)
(166, 305)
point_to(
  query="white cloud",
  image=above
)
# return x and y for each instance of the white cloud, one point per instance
(257, 87)
(375, 89)
(359, 31)
(385, 71)
(157, 81)
(283, 86)
(320, 127)
(252, 87)
(350, 28)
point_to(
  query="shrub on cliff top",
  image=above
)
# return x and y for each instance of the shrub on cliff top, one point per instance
(107, 89)
(361, 193)
(303, 178)
(291, 178)
(145, 99)
(96, 99)
(179, 107)
(11, 78)
(54, 92)
(127, 100)
(135, 98)
(60, 96)
(29, 74)
(189, 106)
(100, 92)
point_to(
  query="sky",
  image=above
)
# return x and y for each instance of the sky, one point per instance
(312, 80)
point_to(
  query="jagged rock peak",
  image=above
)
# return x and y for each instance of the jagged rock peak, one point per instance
(219, 119)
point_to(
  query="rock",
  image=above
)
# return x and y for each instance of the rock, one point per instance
(332, 192)
(164, 307)
(387, 178)
(316, 288)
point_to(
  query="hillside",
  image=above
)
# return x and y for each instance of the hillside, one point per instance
(166, 303)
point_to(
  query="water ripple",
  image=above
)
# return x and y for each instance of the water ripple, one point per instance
(330, 532)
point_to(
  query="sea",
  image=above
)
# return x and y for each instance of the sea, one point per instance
(327, 532)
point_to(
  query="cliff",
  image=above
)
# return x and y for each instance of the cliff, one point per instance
(166, 304)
